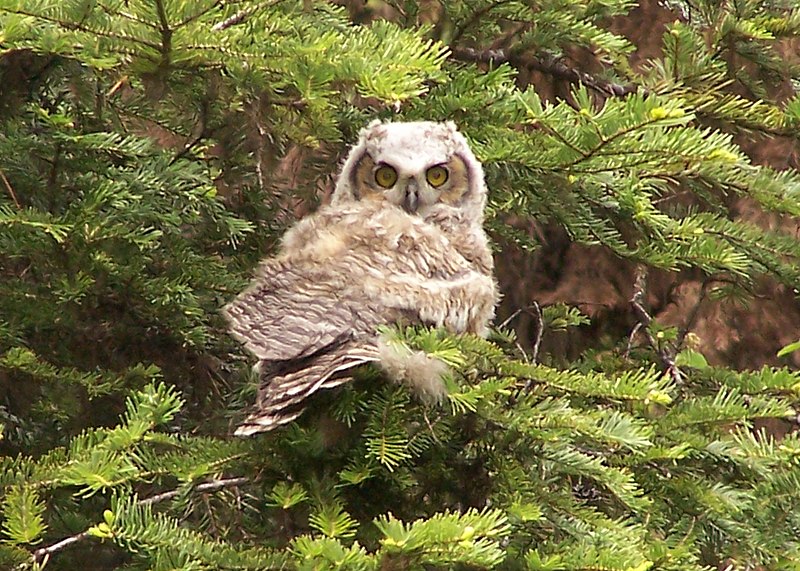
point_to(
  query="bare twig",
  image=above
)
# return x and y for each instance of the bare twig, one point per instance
(45, 552)
(545, 64)
(666, 355)
(212, 486)
(631, 337)
(637, 300)
(10, 189)
(510, 318)
(260, 170)
(536, 312)
(240, 17)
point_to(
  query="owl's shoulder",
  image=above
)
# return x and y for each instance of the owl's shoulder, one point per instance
(319, 235)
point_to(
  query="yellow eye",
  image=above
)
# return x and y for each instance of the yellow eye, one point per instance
(385, 176)
(436, 176)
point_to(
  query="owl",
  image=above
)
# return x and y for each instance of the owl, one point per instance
(400, 243)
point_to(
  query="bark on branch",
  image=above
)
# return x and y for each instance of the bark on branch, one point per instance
(545, 64)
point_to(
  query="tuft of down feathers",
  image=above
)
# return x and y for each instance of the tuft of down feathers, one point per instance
(416, 369)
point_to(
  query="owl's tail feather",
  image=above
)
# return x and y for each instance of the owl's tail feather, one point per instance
(287, 384)
(290, 383)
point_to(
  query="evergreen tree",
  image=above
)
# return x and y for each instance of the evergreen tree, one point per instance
(152, 151)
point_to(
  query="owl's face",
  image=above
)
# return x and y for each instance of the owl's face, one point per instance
(415, 166)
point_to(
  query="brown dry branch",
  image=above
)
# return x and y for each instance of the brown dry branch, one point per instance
(666, 355)
(10, 190)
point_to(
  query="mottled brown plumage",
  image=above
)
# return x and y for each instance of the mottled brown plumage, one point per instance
(369, 259)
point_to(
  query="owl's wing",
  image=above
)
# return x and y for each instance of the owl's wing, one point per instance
(286, 385)
(308, 331)
(292, 311)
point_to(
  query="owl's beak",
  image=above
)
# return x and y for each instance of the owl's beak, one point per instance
(411, 199)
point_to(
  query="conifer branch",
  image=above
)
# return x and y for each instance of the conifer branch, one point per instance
(547, 64)
(127, 16)
(603, 142)
(473, 19)
(563, 140)
(126, 255)
(166, 32)
(82, 28)
(199, 14)
(43, 553)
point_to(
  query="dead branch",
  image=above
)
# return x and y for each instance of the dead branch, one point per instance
(665, 354)
(10, 189)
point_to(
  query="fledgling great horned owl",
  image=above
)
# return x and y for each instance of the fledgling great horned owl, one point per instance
(401, 242)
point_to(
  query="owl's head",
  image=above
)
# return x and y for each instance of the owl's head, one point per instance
(416, 166)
